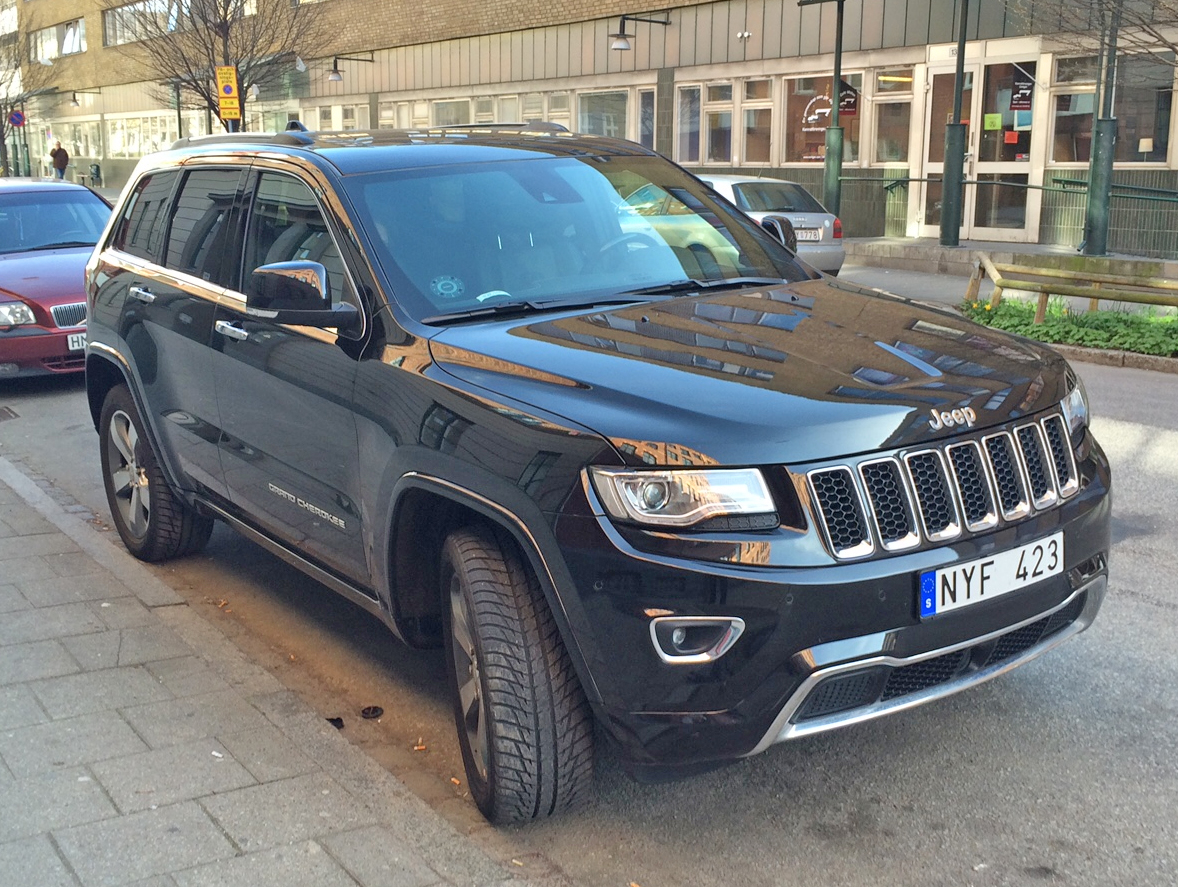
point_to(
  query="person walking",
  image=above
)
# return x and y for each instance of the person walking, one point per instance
(61, 159)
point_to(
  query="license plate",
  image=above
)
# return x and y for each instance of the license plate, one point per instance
(808, 233)
(963, 585)
(75, 341)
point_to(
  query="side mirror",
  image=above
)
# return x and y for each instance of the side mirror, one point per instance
(783, 232)
(297, 293)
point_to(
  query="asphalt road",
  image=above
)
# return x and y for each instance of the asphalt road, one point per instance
(1062, 772)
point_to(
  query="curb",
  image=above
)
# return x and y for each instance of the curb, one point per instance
(1129, 359)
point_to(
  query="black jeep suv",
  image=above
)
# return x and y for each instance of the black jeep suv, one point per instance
(549, 401)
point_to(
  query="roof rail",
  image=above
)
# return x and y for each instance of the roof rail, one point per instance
(529, 126)
(244, 138)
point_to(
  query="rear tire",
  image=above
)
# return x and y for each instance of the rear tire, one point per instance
(524, 725)
(154, 523)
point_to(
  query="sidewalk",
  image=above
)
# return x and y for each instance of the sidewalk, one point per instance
(138, 745)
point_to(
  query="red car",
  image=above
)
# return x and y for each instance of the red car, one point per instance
(47, 231)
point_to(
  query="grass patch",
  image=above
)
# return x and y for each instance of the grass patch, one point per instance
(1144, 333)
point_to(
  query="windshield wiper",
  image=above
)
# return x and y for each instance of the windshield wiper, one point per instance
(691, 285)
(62, 245)
(523, 307)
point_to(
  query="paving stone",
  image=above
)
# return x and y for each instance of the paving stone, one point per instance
(18, 708)
(26, 522)
(287, 811)
(376, 857)
(187, 676)
(182, 720)
(132, 646)
(268, 754)
(33, 861)
(17, 547)
(48, 622)
(69, 743)
(30, 662)
(11, 599)
(226, 658)
(25, 569)
(123, 612)
(72, 564)
(97, 691)
(165, 776)
(142, 845)
(51, 800)
(299, 865)
(72, 589)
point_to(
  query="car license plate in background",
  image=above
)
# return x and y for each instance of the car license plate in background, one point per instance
(979, 580)
(808, 233)
(75, 341)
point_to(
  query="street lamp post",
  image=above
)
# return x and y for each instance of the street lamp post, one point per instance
(832, 168)
(1100, 168)
(953, 177)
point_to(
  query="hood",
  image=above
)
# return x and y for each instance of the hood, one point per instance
(794, 373)
(49, 277)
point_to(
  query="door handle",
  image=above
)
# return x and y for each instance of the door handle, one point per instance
(225, 328)
(142, 294)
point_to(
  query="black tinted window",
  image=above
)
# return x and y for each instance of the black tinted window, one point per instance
(199, 235)
(781, 197)
(286, 225)
(141, 227)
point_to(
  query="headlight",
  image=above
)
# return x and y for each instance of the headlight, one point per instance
(681, 497)
(15, 314)
(1075, 407)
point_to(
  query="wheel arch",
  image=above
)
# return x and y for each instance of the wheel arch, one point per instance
(426, 510)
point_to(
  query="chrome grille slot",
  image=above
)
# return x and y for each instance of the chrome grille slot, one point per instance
(1030, 443)
(70, 315)
(938, 511)
(890, 504)
(1062, 459)
(842, 512)
(899, 501)
(973, 487)
(1012, 488)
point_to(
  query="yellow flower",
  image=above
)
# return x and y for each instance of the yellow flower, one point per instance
(988, 307)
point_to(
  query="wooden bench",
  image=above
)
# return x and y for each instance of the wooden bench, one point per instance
(1085, 284)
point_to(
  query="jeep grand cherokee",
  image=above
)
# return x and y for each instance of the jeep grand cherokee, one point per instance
(632, 465)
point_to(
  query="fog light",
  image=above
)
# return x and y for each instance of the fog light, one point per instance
(692, 640)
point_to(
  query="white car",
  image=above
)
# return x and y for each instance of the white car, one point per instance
(820, 233)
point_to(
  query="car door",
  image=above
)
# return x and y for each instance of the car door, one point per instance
(284, 392)
(166, 272)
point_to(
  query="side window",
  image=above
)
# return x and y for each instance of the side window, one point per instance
(198, 236)
(286, 225)
(140, 230)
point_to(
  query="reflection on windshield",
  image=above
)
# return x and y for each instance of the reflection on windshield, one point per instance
(32, 220)
(556, 230)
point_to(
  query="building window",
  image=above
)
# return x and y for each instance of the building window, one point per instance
(509, 109)
(8, 17)
(558, 108)
(688, 150)
(718, 122)
(893, 114)
(757, 109)
(355, 117)
(807, 116)
(452, 113)
(1142, 104)
(68, 38)
(603, 113)
(646, 118)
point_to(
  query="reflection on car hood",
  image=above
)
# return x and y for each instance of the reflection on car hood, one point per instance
(793, 373)
(51, 277)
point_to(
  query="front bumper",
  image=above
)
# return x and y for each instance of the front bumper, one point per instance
(39, 351)
(820, 647)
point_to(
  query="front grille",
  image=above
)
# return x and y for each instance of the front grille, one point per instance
(935, 494)
(881, 683)
(69, 315)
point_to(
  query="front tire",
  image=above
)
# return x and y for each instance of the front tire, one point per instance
(524, 725)
(153, 522)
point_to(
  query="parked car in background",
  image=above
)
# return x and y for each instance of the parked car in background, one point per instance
(47, 230)
(819, 233)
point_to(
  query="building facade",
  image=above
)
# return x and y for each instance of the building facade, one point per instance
(738, 86)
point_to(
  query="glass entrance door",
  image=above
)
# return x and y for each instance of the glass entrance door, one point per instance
(997, 106)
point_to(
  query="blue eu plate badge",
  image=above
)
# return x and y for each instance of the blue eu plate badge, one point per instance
(928, 593)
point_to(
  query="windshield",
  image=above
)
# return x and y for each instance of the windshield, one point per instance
(554, 231)
(775, 197)
(31, 220)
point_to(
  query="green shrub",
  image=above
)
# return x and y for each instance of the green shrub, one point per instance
(1144, 333)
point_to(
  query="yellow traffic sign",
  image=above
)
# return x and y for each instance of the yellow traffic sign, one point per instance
(227, 98)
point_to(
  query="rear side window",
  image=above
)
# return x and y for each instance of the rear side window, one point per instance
(198, 237)
(781, 197)
(140, 230)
